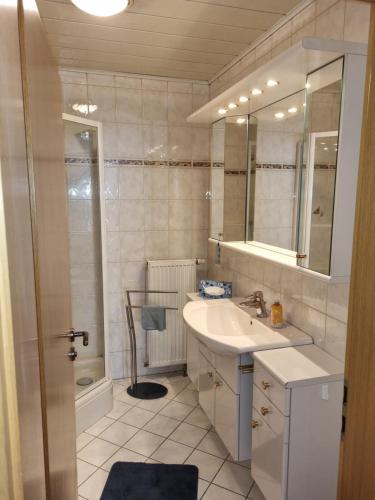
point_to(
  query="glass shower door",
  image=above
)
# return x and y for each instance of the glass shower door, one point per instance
(86, 264)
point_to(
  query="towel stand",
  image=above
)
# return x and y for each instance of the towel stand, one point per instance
(142, 390)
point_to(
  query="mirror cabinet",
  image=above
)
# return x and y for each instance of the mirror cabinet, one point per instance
(283, 176)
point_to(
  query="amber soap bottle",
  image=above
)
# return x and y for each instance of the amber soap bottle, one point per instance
(277, 317)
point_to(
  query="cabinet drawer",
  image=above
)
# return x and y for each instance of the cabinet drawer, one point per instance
(272, 388)
(227, 405)
(227, 366)
(268, 459)
(210, 356)
(271, 415)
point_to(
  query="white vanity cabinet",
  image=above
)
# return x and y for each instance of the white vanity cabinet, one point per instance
(224, 384)
(296, 423)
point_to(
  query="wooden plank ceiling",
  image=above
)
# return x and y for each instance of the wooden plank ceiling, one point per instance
(176, 38)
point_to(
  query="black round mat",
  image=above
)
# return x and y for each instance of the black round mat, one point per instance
(147, 390)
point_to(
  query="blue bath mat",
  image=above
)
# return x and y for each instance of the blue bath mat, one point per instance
(139, 481)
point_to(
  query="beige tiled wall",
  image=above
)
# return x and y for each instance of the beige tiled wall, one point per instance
(156, 179)
(340, 20)
(311, 304)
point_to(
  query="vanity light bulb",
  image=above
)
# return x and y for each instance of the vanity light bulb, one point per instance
(241, 120)
(293, 109)
(222, 111)
(272, 83)
(243, 98)
(325, 149)
(308, 85)
(232, 105)
(279, 115)
(304, 105)
(256, 92)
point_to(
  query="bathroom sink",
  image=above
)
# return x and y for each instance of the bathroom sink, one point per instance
(226, 328)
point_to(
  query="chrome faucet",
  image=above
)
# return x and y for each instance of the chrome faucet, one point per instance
(256, 300)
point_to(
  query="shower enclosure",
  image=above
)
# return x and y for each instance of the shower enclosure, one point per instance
(84, 175)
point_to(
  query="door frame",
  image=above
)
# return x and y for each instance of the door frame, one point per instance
(99, 126)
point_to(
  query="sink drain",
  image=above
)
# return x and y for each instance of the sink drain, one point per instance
(85, 381)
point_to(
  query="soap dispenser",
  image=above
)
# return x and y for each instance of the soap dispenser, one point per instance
(277, 316)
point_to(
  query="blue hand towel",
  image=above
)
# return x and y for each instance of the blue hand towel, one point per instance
(154, 318)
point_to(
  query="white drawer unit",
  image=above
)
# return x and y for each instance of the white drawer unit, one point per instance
(224, 390)
(296, 423)
(269, 458)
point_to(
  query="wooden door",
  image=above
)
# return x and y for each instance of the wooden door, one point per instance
(49, 216)
(357, 471)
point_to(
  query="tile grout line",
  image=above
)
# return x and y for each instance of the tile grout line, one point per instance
(165, 438)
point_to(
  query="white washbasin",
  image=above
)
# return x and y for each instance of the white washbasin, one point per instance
(226, 328)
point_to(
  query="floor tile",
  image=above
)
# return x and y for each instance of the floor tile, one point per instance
(202, 487)
(125, 398)
(144, 443)
(92, 488)
(122, 381)
(244, 463)
(216, 493)
(235, 478)
(161, 425)
(171, 452)
(255, 493)
(173, 390)
(123, 455)
(214, 445)
(208, 465)
(174, 378)
(188, 434)
(99, 426)
(158, 379)
(117, 388)
(84, 470)
(83, 439)
(118, 410)
(176, 410)
(153, 404)
(119, 433)
(188, 397)
(198, 417)
(97, 452)
(137, 417)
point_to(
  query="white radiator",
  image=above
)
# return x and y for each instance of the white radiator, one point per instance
(169, 347)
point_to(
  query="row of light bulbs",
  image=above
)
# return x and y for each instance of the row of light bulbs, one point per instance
(243, 98)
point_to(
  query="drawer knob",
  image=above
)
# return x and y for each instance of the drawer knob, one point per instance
(265, 384)
(218, 383)
(264, 410)
(255, 424)
(210, 374)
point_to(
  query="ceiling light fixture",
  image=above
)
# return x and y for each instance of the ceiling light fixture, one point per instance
(279, 115)
(272, 83)
(232, 105)
(241, 120)
(308, 85)
(256, 92)
(243, 98)
(222, 111)
(84, 109)
(102, 8)
(293, 109)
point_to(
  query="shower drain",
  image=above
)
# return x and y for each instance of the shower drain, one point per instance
(85, 381)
